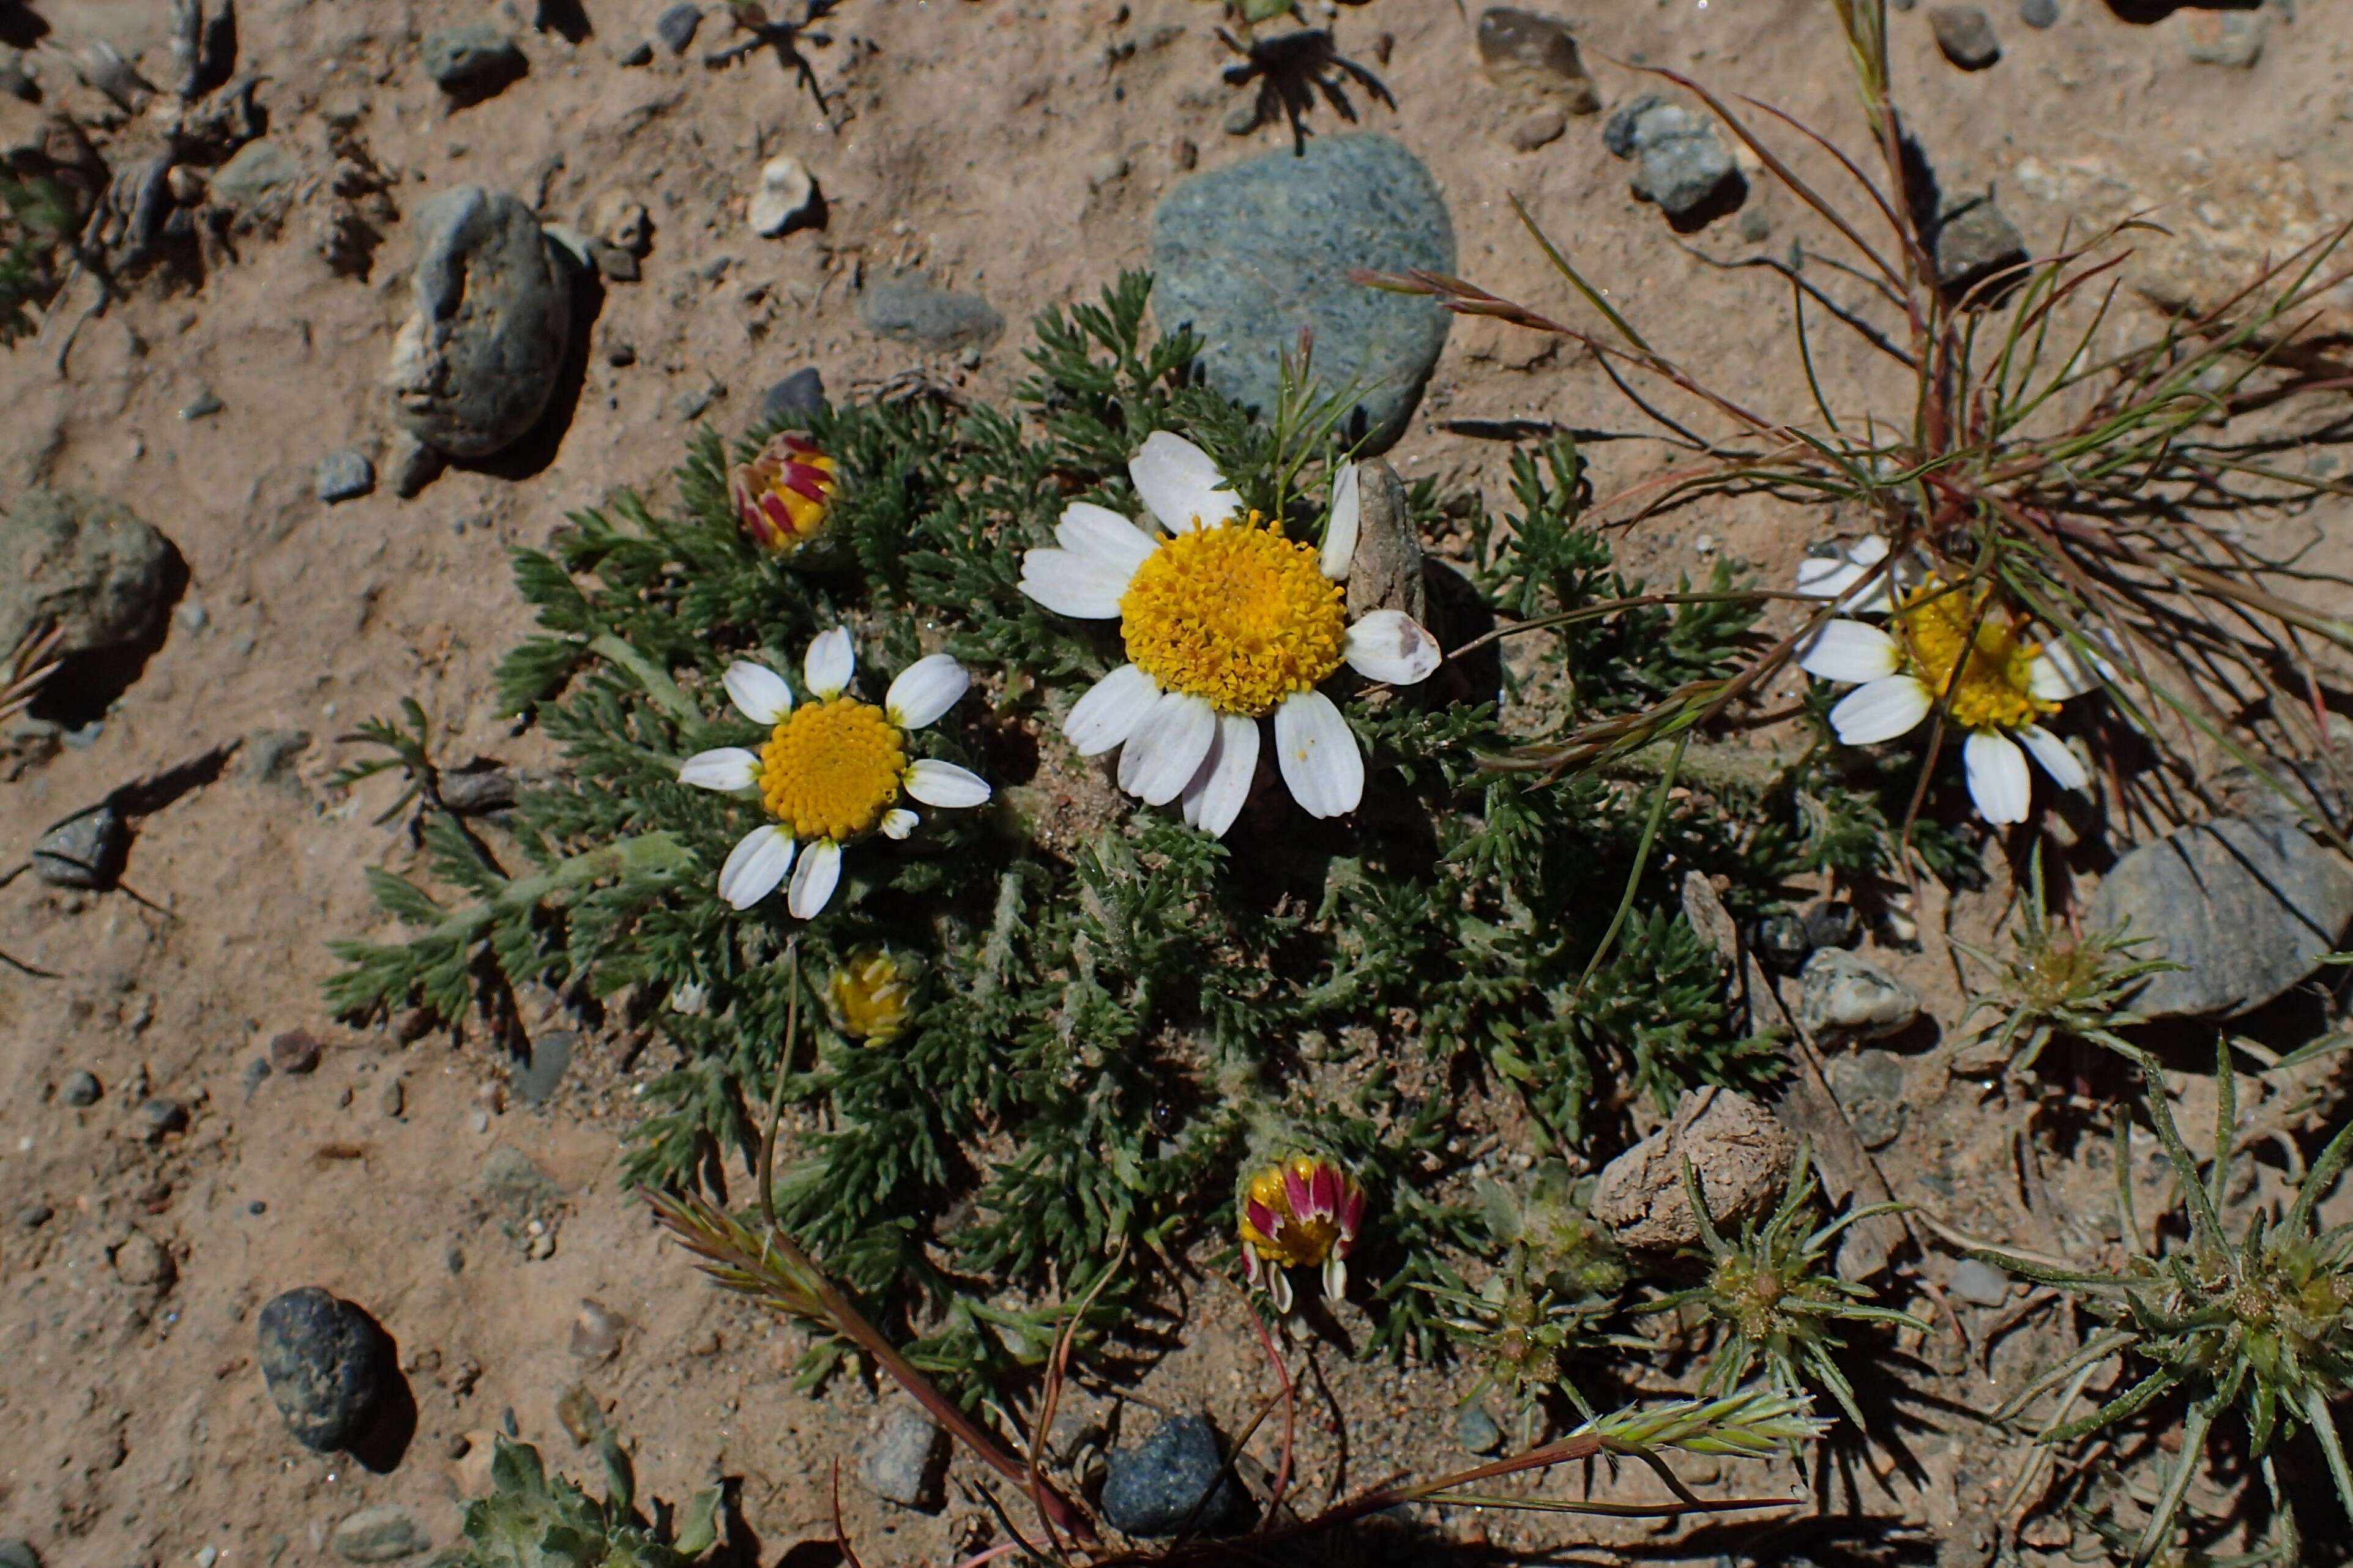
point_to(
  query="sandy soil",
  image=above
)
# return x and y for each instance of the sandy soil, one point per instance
(1014, 149)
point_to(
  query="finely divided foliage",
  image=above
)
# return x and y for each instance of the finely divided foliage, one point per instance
(1116, 1005)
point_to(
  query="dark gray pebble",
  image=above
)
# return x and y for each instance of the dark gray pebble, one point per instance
(345, 476)
(796, 396)
(322, 1361)
(85, 851)
(160, 1116)
(81, 1089)
(1173, 1479)
(676, 26)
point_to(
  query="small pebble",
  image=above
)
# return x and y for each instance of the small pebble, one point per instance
(208, 1556)
(81, 1089)
(676, 27)
(392, 1098)
(619, 354)
(2038, 12)
(1477, 1430)
(596, 1331)
(296, 1051)
(345, 476)
(638, 53)
(1964, 36)
(796, 396)
(1538, 128)
(191, 616)
(257, 1073)
(203, 406)
(257, 1207)
(786, 198)
(161, 1117)
(1976, 1281)
(33, 1215)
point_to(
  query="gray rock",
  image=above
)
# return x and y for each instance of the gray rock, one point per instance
(385, 1533)
(1475, 1429)
(676, 27)
(1975, 242)
(1833, 925)
(796, 396)
(414, 465)
(1782, 942)
(2250, 908)
(1386, 573)
(81, 1089)
(476, 57)
(2039, 14)
(159, 1117)
(904, 1458)
(1870, 1088)
(475, 363)
(1976, 1281)
(322, 1361)
(1250, 256)
(479, 791)
(33, 1216)
(16, 1552)
(911, 309)
(1844, 997)
(1756, 225)
(1173, 1479)
(269, 757)
(784, 199)
(1531, 52)
(616, 263)
(2233, 38)
(346, 474)
(83, 563)
(203, 406)
(640, 53)
(1964, 36)
(1681, 164)
(551, 1057)
(85, 851)
(1539, 127)
(255, 172)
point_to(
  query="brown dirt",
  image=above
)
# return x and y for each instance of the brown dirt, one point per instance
(981, 142)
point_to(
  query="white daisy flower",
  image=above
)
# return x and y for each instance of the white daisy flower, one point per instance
(2006, 686)
(1841, 577)
(1227, 622)
(833, 769)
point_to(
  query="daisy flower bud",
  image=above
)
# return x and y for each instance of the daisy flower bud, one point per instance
(784, 497)
(1299, 1212)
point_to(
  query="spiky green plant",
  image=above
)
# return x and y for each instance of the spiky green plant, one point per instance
(1772, 1298)
(2262, 1321)
(2056, 984)
(534, 1520)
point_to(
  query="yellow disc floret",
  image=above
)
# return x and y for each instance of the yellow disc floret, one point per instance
(1236, 614)
(832, 769)
(1995, 688)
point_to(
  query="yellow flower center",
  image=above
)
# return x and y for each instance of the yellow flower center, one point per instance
(831, 769)
(1995, 687)
(1302, 1243)
(1236, 614)
(873, 994)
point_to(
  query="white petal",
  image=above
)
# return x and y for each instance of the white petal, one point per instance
(2058, 759)
(1181, 483)
(1888, 707)
(831, 661)
(1336, 1278)
(1835, 576)
(755, 867)
(1070, 583)
(1849, 650)
(924, 689)
(1868, 551)
(1317, 753)
(1214, 796)
(1341, 524)
(813, 879)
(898, 822)
(1111, 711)
(1391, 646)
(1164, 751)
(1278, 1286)
(1998, 781)
(729, 769)
(2059, 672)
(758, 692)
(1103, 534)
(946, 784)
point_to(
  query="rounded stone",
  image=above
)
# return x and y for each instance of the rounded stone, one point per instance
(322, 1359)
(1172, 1481)
(81, 1089)
(1250, 256)
(491, 316)
(1844, 997)
(84, 563)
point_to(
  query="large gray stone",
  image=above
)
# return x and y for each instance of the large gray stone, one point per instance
(1844, 997)
(258, 171)
(904, 1459)
(1174, 1479)
(322, 1361)
(1249, 255)
(491, 316)
(2249, 908)
(82, 562)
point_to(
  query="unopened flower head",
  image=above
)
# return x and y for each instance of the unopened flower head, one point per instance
(1298, 1213)
(873, 994)
(1227, 621)
(784, 497)
(833, 771)
(1959, 647)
